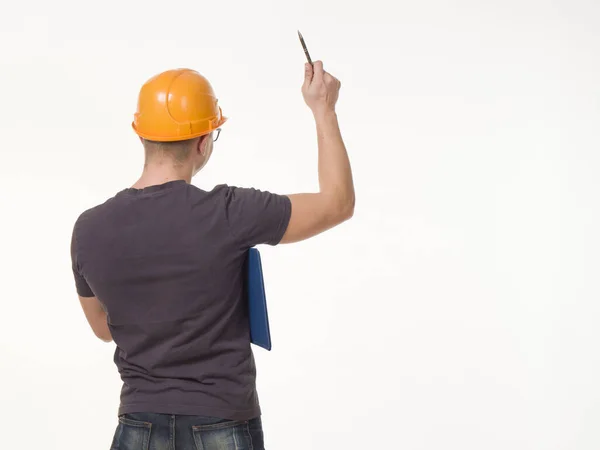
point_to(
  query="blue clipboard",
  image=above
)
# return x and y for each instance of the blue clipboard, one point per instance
(260, 333)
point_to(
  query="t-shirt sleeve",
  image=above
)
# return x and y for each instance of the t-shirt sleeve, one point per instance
(257, 217)
(83, 289)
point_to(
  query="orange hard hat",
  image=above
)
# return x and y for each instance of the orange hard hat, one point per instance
(177, 105)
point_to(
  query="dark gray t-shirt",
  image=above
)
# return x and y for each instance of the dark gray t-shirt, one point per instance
(166, 262)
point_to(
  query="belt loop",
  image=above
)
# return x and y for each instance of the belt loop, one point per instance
(172, 432)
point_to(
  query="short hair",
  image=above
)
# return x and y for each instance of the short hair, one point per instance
(177, 151)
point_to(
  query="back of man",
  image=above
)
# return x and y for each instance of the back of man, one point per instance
(167, 262)
(159, 268)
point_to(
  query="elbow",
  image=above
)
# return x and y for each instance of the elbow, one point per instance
(100, 327)
(102, 332)
(104, 337)
(346, 209)
(339, 207)
(347, 213)
(350, 212)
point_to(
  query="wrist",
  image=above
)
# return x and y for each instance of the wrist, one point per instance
(324, 114)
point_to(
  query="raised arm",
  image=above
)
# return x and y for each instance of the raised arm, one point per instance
(334, 203)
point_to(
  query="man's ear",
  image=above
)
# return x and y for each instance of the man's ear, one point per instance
(202, 145)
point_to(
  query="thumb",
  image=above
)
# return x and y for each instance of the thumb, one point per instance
(308, 74)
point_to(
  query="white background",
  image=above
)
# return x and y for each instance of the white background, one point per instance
(458, 309)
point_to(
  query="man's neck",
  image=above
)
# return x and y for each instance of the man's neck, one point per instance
(153, 175)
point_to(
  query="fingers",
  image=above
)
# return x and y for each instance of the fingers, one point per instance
(318, 71)
(330, 80)
(308, 74)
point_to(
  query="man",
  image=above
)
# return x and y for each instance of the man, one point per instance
(159, 267)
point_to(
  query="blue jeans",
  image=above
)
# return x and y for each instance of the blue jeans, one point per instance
(150, 431)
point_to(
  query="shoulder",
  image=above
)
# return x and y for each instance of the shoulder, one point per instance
(235, 200)
(236, 193)
(222, 193)
(92, 216)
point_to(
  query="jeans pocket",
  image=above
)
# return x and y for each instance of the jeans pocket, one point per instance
(132, 435)
(231, 435)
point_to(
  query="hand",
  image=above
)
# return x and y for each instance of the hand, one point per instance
(320, 89)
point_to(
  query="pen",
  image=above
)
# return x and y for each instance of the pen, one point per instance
(304, 47)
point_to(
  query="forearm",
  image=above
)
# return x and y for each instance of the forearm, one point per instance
(335, 173)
